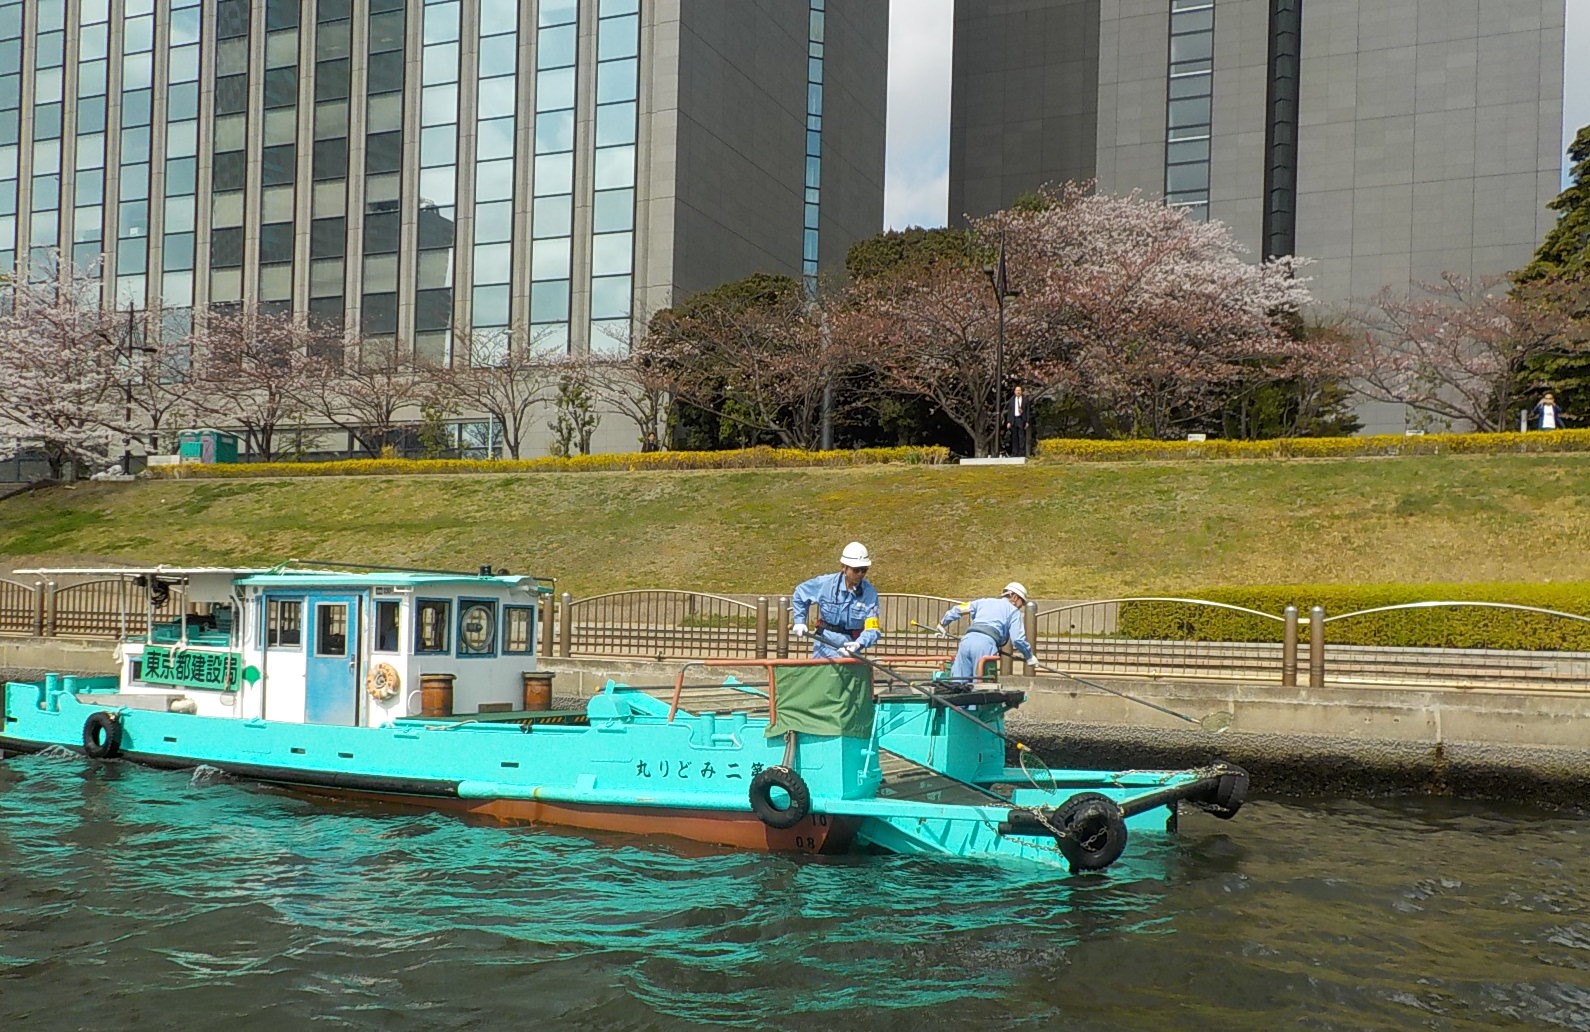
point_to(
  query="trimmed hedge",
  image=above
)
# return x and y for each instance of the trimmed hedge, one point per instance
(1084, 450)
(1459, 627)
(745, 458)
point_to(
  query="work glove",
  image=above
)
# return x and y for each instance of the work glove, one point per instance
(799, 630)
(944, 632)
(849, 648)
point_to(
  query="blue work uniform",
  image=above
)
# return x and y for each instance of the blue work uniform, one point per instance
(842, 615)
(995, 623)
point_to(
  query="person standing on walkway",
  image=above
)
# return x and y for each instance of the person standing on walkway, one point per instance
(1547, 416)
(996, 622)
(1016, 420)
(847, 607)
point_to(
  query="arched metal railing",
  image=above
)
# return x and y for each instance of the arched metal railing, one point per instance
(1092, 637)
(662, 624)
(21, 607)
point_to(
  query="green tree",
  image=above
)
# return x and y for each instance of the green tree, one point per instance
(1566, 250)
(574, 415)
(915, 250)
(435, 440)
(1561, 269)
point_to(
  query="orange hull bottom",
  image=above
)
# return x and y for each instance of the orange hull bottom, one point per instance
(816, 833)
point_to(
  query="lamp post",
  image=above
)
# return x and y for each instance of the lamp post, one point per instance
(999, 279)
(126, 389)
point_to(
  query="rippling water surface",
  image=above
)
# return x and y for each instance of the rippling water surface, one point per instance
(140, 899)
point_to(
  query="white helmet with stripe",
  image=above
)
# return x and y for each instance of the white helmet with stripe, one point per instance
(856, 556)
(1015, 588)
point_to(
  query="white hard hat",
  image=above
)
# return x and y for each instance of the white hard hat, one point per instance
(1015, 588)
(856, 555)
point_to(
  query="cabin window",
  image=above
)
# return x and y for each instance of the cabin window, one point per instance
(517, 625)
(331, 629)
(386, 625)
(430, 625)
(284, 623)
(477, 627)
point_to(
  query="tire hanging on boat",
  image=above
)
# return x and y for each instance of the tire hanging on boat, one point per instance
(102, 736)
(800, 797)
(1090, 830)
(382, 682)
(1229, 793)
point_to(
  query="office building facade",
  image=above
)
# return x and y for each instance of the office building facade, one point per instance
(1389, 140)
(426, 172)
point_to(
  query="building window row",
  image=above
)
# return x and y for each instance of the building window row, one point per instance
(613, 185)
(305, 112)
(1189, 106)
(811, 220)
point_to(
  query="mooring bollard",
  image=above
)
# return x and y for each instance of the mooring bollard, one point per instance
(1316, 647)
(1289, 648)
(761, 627)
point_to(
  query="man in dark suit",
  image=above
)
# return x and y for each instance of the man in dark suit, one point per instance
(1016, 419)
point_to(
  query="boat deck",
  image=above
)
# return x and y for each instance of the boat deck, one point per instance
(907, 780)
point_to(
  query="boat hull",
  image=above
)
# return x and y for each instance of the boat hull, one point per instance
(634, 768)
(817, 833)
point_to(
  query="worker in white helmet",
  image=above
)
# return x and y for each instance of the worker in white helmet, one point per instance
(847, 607)
(996, 622)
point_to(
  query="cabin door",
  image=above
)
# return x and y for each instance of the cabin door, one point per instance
(331, 674)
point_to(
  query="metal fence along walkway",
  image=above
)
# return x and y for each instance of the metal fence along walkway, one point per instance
(1093, 638)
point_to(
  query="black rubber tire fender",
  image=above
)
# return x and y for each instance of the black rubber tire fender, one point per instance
(102, 736)
(1229, 795)
(1091, 831)
(800, 797)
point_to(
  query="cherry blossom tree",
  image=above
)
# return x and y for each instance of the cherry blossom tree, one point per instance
(931, 334)
(362, 388)
(1120, 306)
(255, 370)
(504, 374)
(1455, 349)
(161, 377)
(62, 362)
(635, 388)
(756, 353)
(1144, 312)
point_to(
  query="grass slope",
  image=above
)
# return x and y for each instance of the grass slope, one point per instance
(1072, 531)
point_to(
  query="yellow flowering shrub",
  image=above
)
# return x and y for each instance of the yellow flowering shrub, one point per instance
(1084, 450)
(745, 458)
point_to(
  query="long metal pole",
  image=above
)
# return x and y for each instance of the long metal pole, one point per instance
(999, 350)
(126, 387)
(999, 374)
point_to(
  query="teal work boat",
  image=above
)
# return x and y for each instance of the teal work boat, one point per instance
(413, 688)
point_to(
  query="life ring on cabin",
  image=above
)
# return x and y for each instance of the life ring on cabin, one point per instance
(102, 736)
(382, 682)
(1090, 830)
(800, 797)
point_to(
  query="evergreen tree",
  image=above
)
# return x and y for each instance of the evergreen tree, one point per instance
(1563, 260)
(1566, 250)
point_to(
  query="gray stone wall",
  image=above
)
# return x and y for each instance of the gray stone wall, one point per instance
(855, 102)
(1025, 99)
(1430, 138)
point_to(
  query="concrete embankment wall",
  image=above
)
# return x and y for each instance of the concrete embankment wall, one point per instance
(1342, 739)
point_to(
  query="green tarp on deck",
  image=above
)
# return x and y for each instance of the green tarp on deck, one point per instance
(832, 699)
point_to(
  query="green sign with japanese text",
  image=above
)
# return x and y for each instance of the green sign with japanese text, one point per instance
(191, 668)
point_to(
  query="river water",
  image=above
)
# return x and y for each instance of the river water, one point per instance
(139, 899)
